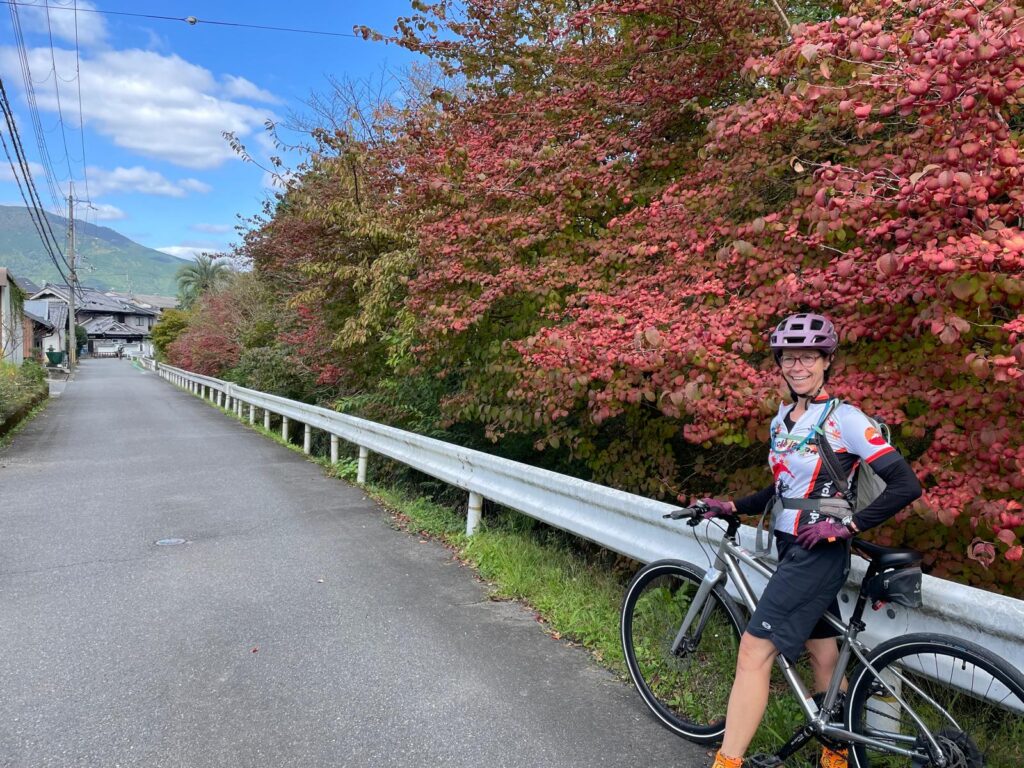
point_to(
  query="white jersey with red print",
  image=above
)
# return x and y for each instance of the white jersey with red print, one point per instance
(795, 464)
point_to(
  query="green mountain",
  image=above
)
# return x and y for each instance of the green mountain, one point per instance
(104, 259)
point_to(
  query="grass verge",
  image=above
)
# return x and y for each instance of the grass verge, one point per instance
(8, 436)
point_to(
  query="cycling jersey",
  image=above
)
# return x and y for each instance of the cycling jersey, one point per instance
(796, 466)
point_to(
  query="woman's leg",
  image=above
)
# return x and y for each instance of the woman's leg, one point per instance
(749, 695)
(824, 657)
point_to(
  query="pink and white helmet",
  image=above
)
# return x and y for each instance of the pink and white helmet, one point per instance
(805, 331)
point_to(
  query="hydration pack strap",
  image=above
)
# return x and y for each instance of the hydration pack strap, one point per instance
(828, 457)
(836, 507)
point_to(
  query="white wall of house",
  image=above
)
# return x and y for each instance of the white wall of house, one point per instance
(12, 334)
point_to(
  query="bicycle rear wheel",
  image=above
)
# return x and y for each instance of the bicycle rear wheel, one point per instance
(687, 691)
(969, 699)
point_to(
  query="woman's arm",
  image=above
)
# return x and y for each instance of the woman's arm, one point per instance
(901, 488)
(755, 503)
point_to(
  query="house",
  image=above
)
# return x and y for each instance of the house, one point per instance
(12, 335)
(47, 322)
(110, 321)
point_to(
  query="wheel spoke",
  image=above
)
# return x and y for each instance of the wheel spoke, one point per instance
(973, 707)
(689, 690)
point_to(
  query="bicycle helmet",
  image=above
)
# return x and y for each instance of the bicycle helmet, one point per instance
(805, 331)
(901, 586)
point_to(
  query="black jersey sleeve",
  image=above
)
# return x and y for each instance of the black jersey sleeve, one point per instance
(901, 488)
(755, 503)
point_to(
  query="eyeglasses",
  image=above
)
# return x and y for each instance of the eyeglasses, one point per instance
(806, 359)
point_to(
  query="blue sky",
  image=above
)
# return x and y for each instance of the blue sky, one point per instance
(156, 96)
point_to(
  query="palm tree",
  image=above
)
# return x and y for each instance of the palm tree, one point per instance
(206, 273)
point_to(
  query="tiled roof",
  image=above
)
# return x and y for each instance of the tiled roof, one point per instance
(92, 300)
(109, 327)
(57, 314)
(146, 301)
(26, 285)
(36, 319)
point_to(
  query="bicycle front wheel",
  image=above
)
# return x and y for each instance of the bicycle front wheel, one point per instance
(688, 690)
(971, 701)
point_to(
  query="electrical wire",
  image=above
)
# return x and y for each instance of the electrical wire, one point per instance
(192, 20)
(32, 203)
(30, 98)
(56, 88)
(31, 210)
(81, 119)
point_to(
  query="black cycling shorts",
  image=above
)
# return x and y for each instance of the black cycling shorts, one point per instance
(799, 593)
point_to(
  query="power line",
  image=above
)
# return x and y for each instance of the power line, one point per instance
(32, 213)
(30, 98)
(56, 87)
(81, 119)
(192, 20)
(32, 203)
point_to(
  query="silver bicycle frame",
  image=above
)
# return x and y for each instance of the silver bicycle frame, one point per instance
(727, 565)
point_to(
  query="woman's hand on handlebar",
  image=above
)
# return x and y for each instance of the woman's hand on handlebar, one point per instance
(717, 508)
(705, 509)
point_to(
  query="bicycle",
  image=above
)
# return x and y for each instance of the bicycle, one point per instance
(918, 700)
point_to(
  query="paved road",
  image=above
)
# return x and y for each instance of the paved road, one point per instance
(228, 650)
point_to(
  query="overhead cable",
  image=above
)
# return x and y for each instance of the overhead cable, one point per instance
(56, 87)
(81, 119)
(32, 203)
(30, 98)
(192, 20)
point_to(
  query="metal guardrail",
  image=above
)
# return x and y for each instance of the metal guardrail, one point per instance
(622, 522)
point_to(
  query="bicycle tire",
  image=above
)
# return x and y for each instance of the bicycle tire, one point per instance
(986, 734)
(687, 693)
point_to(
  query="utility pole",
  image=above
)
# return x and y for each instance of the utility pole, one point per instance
(72, 338)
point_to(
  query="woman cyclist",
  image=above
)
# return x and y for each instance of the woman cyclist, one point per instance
(813, 546)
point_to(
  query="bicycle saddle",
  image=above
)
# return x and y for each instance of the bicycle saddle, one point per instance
(884, 558)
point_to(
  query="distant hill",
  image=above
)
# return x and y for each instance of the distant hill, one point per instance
(109, 261)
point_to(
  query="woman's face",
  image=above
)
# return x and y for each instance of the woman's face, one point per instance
(803, 370)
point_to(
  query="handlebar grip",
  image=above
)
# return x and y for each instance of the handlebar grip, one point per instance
(692, 513)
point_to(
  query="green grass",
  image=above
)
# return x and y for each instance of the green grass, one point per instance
(6, 439)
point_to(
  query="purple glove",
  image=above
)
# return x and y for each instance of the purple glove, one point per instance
(824, 530)
(717, 508)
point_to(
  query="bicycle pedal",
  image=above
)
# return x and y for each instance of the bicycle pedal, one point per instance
(762, 761)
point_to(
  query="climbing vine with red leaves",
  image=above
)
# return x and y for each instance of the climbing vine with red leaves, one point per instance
(600, 224)
(638, 218)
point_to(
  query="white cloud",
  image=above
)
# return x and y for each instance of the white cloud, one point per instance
(91, 27)
(182, 251)
(141, 180)
(155, 105)
(213, 229)
(6, 174)
(191, 250)
(104, 212)
(240, 88)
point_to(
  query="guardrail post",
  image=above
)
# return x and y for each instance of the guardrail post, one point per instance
(307, 439)
(364, 454)
(473, 513)
(334, 449)
(220, 399)
(284, 428)
(238, 411)
(266, 419)
(884, 710)
(252, 413)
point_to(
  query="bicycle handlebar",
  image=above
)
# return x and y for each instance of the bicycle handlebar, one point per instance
(692, 514)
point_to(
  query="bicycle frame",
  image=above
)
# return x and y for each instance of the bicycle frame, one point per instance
(727, 566)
